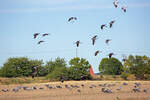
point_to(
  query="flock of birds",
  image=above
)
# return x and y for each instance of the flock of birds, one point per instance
(43, 35)
(107, 88)
(94, 38)
(102, 27)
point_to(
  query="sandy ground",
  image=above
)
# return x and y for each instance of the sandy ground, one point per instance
(81, 93)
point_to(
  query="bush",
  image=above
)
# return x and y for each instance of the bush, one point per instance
(51, 65)
(57, 73)
(113, 76)
(124, 75)
(42, 71)
(139, 66)
(79, 69)
(17, 67)
(110, 66)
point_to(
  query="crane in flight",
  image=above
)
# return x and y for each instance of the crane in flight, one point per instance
(102, 26)
(94, 39)
(97, 52)
(107, 41)
(35, 35)
(111, 54)
(40, 42)
(124, 8)
(111, 23)
(72, 18)
(115, 3)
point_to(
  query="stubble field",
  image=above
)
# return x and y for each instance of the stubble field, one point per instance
(77, 90)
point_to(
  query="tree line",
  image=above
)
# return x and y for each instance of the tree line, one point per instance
(23, 67)
(78, 68)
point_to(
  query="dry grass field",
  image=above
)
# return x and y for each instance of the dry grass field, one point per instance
(90, 91)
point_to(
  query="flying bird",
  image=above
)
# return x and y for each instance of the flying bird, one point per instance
(77, 43)
(96, 53)
(72, 18)
(124, 8)
(35, 35)
(110, 55)
(45, 34)
(94, 39)
(102, 26)
(115, 3)
(35, 70)
(111, 23)
(107, 41)
(40, 42)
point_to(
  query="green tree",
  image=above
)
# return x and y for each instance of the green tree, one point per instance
(79, 69)
(51, 65)
(57, 73)
(16, 67)
(56, 68)
(138, 65)
(110, 66)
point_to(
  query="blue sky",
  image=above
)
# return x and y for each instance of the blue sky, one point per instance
(20, 19)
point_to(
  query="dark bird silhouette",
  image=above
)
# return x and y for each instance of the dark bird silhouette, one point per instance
(110, 55)
(15, 89)
(111, 23)
(124, 83)
(115, 3)
(58, 86)
(35, 35)
(40, 42)
(62, 78)
(79, 90)
(94, 39)
(82, 85)
(145, 90)
(119, 88)
(41, 88)
(45, 34)
(77, 43)
(107, 41)
(72, 18)
(5, 90)
(96, 53)
(35, 70)
(102, 26)
(124, 8)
